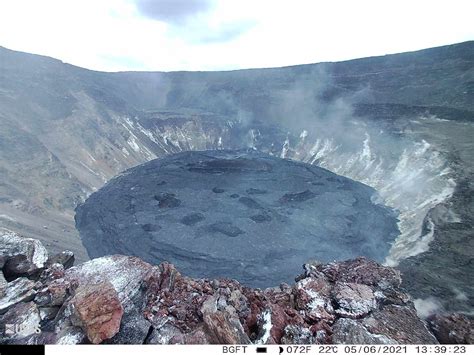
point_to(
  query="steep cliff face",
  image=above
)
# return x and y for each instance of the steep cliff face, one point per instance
(401, 124)
(124, 300)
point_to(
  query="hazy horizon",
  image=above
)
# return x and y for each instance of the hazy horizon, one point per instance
(215, 35)
(229, 70)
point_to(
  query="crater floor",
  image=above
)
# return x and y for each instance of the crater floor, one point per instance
(238, 214)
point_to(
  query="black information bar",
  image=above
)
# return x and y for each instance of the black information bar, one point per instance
(21, 349)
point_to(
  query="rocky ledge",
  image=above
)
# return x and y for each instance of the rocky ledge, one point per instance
(124, 300)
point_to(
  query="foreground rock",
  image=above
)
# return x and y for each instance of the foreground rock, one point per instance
(124, 300)
(97, 310)
(18, 290)
(453, 328)
(20, 256)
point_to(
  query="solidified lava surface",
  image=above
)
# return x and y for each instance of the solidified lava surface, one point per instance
(237, 214)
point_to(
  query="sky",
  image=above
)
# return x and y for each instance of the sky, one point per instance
(170, 35)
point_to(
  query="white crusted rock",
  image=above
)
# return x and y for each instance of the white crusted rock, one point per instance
(19, 290)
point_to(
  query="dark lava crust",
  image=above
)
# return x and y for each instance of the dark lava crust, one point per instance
(237, 214)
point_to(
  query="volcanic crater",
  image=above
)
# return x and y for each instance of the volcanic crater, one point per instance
(236, 213)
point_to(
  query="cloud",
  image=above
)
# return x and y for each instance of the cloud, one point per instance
(194, 21)
(175, 12)
(218, 34)
(201, 33)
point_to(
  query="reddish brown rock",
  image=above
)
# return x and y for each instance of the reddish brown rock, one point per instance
(183, 308)
(53, 272)
(279, 320)
(362, 271)
(313, 298)
(322, 332)
(197, 336)
(97, 310)
(123, 300)
(274, 308)
(174, 299)
(223, 328)
(453, 328)
(54, 294)
(125, 273)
